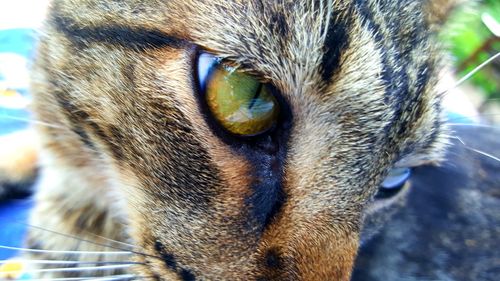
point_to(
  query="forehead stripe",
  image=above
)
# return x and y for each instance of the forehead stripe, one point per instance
(135, 38)
(336, 41)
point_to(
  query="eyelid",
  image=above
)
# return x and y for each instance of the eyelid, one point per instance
(205, 64)
(396, 178)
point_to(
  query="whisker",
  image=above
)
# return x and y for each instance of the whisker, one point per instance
(476, 150)
(471, 73)
(465, 117)
(77, 238)
(459, 139)
(31, 121)
(70, 269)
(110, 277)
(474, 125)
(92, 242)
(110, 240)
(65, 252)
(484, 153)
(27, 261)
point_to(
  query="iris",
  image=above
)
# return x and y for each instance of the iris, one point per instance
(237, 100)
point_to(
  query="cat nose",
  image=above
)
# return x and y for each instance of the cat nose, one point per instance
(312, 253)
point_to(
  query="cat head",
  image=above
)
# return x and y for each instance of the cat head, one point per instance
(353, 88)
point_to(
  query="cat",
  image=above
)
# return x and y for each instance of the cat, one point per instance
(229, 140)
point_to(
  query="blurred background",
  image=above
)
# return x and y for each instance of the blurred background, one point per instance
(472, 36)
(19, 20)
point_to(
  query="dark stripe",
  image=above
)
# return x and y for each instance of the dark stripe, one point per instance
(116, 142)
(337, 40)
(368, 20)
(136, 38)
(171, 263)
(77, 129)
(279, 25)
(267, 199)
(267, 156)
(257, 94)
(394, 76)
(187, 275)
(78, 119)
(76, 125)
(168, 258)
(111, 143)
(395, 81)
(272, 258)
(392, 47)
(415, 104)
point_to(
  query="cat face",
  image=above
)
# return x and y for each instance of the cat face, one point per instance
(355, 83)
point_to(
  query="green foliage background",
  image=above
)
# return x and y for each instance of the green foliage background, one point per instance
(466, 33)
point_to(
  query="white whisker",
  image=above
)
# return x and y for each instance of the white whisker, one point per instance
(110, 240)
(65, 252)
(483, 153)
(110, 277)
(31, 121)
(473, 125)
(72, 269)
(78, 238)
(465, 117)
(459, 139)
(476, 150)
(123, 277)
(95, 243)
(471, 73)
(27, 261)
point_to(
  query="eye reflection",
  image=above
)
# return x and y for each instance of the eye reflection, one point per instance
(239, 102)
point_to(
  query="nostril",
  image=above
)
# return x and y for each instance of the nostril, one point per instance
(275, 265)
(272, 259)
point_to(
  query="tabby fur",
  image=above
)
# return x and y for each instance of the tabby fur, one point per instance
(132, 155)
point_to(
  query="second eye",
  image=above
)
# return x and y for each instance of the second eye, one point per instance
(238, 101)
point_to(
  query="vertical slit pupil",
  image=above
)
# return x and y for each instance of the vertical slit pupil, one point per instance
(257, 94)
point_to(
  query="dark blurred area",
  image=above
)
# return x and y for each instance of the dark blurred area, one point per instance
(449, 228)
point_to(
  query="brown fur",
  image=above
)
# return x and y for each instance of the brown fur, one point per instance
(134, 159)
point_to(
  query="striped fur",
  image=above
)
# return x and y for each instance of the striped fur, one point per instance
(134, 157)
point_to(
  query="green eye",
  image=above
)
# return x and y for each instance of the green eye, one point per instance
(238, 101)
